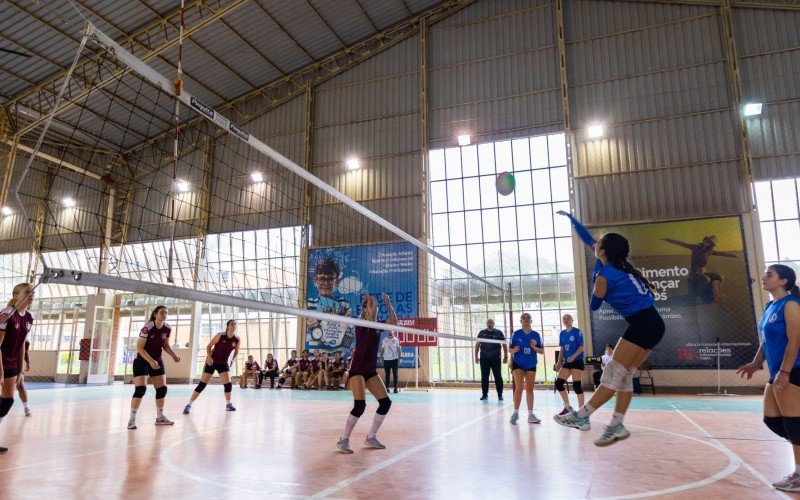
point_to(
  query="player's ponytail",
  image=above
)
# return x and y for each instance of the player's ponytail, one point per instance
(616, 249)
(155, 312)
(17, 289)
(785, 272)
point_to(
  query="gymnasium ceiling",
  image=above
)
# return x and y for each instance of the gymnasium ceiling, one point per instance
(234, 50)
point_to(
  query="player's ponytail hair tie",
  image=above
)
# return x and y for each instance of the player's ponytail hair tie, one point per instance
(617, 249)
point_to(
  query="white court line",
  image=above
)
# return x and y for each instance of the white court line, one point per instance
(721, 446)
(386, 463)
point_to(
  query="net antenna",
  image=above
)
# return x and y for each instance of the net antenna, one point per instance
(230, 242)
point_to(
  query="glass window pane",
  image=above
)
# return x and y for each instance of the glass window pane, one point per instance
(539, 154)
(473, 226)
(785, 195)
(452, 158)
(438, 197)
(439, 231)
(455, 195)
(788, 239)
(472, 193)
(510, 258)
(520, 148)
(547, 256)
(475, 259)
(458, 254)
(457, 230)
(764, 200)
(503, 159)
(523, 191)
(564, 255)
(525, 225)
(561, 223)
(770, 242)
(527, 257)
(491, 225)
(488, 191)
(492, 258)
(557, 147)
(508, 224)
(486, 158)
(469, 160)
(541, 186)
(560, 184)
(544, 221)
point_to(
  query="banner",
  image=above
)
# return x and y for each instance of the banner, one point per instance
(703, 292)
(338, 278)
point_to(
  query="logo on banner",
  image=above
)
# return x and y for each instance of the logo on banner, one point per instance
(202, 107)
(238, 132)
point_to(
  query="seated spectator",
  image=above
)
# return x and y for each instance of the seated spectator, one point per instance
(303, 371)
(338, 372)
(314, 372)
(251, 369)
(289, 370)
(603, 361)
(270, 370)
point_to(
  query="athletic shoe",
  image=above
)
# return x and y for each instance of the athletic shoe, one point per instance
(789, 483)
(533, 420)
(3, 450)
(566, 410)
(612, 435)
(258, 386)
(131, 424)
(230, 407)
(499, 397)
(484, 397)
(514, 418)
(344, 446)
(164, 421)
(395, 391)
(572, 419)
(372, 442)
(187, 409)
(27, 412)
(279, 387)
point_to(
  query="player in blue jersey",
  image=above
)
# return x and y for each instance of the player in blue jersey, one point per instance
(630, 294)
(525, 346)
(570, 363)
(779, 330)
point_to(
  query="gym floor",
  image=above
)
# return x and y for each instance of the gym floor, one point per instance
(444, 443)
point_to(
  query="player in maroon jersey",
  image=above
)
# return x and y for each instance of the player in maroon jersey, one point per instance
(337, 368)
(251, 369)
(153, 338)
(364, 375)
(288, 371)
(218, 353)
(23, 392)
(15, 324)
(270, 370)
(303, 371)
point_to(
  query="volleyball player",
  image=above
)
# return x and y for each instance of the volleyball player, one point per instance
(153, 338)
(314, 371)
(270, 370)
(288, 371)
(570, 363)
(779, 330)
(251, 368)
(364, 375)
(337, 371)
(218, 353)
(303, 371)
(526, 345)
(630, 294)
(15, 324)
(23, 392)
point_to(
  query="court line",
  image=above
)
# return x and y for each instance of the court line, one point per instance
(386, 463)
(719, 444)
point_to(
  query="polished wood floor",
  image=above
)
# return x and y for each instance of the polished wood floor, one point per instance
(440, 444)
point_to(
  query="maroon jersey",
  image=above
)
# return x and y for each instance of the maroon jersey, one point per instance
(16, 327)
(304, 364)
(291, 362)
(365, 354)
(251, 365)
(155, 338)
(337, 365)
(315, 365)
(223, 349)
(271, 365)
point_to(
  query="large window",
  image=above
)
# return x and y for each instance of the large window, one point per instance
(779, 212)
(512, 239)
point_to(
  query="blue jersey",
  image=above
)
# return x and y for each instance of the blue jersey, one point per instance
(526, 358)
(772, 329)
(626, 293)
(571, 341)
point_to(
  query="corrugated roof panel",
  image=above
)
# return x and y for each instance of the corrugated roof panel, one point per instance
(264, 34)
(481, 10)
(33, 35)
(304, 26)
(399, 59)
(367, 139)
(773, 77)
(384, 12)
(416, 6)
(345, 18)
(774, 139)
(590, 18)
(385, 97)
(762, 30)
(127, 16)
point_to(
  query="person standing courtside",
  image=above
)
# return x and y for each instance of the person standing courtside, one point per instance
(487, 355)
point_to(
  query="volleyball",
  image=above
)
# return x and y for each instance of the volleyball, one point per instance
(505, 183)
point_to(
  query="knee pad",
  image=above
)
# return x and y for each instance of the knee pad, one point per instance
(228, 387)
(200, 387)
(359, 405)
(577, 387)
(383, 406)
(161, 392)
(792, 427)
(775, 424)
(5, 406)
(139, 390)
(616, 377)
(561, 384)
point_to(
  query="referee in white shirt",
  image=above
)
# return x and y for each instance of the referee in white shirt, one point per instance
(390, 353)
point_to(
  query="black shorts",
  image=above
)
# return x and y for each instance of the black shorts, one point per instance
(794, 377)
(523, 369)
(337, 374)
(578, 364)
(645, 328)
(219, 368)
(142, 368)
(11, 372)
(366, 376)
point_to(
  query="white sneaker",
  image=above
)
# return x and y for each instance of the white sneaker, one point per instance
(131, 424)
(789, 483)
(344, 446)
(27, 412)
(573, 420)
(514, 418)
(372, 442)
(164, 421)
(533, 420)
(612, 435)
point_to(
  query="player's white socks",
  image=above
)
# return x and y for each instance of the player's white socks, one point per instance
(585, 410)
(133, 414)
(25, 405)
(160, 412)
(376, 424)
(616, 419)
(348, 427)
